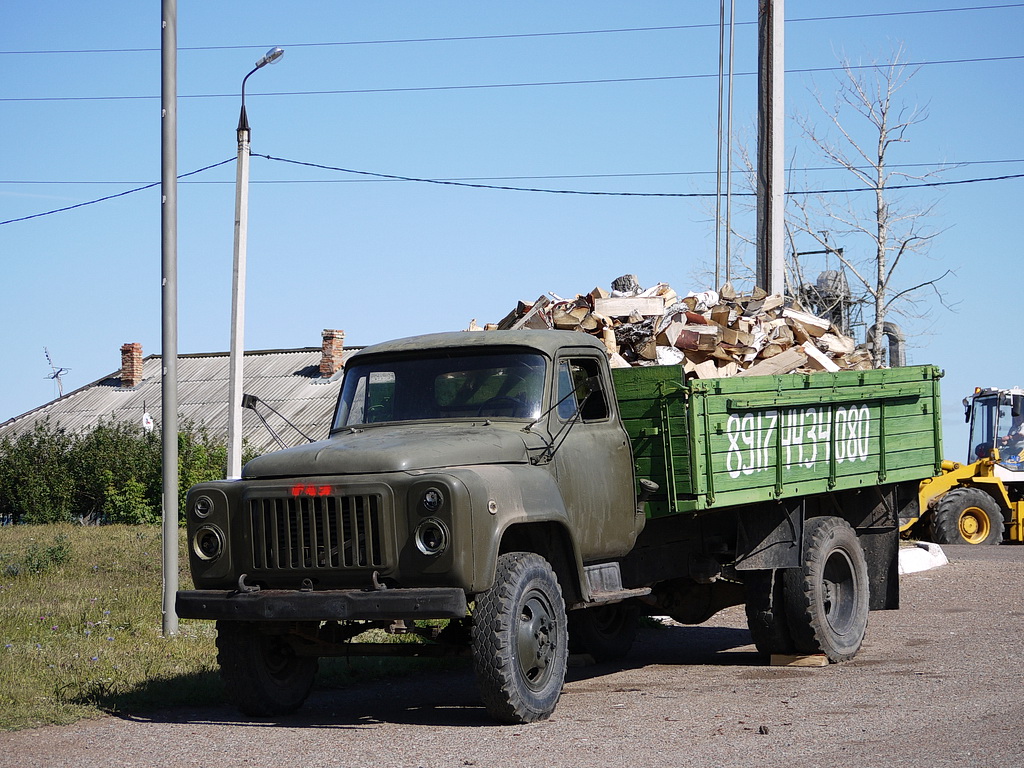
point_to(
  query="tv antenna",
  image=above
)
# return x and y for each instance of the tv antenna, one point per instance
(57, 373)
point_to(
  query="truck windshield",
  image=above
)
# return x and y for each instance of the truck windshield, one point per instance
(508, 385)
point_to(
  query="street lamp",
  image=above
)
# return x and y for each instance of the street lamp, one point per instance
(238, 281)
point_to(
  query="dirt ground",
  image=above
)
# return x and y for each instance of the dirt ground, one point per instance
(938, 683)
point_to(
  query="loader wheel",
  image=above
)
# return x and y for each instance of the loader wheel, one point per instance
(827, 599)
(766, 612)
(606, 633)
(967, 516)
(520, 640)
(262, 675)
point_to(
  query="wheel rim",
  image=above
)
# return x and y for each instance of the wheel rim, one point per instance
(536, 640)
(839, 592)
(974, 525)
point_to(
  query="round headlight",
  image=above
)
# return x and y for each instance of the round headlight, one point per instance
(432, 537)
(432, 500)
(203, 506)
(208, 543)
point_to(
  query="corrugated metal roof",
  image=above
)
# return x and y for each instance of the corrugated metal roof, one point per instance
(288, 380)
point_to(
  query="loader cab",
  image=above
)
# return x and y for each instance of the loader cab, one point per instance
(995, 417)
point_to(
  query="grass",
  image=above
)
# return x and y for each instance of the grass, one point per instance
(81, 634)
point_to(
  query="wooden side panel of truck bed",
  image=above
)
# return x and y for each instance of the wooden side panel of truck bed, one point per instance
(722, 442)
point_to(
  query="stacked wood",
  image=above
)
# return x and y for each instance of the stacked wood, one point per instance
(711, 334)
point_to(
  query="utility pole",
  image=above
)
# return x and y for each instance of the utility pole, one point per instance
(770, 147)
(169, 304)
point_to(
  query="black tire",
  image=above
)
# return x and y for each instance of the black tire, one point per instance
(967, 516)
(766, 612)
(520, 640)
(262, 675)
(606, 632)
(827, 599)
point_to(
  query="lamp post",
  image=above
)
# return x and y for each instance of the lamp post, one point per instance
(238, 281)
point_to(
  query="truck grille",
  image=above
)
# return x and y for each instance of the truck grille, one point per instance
(319, 532)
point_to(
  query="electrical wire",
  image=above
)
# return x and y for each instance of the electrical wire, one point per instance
(395, 177)
(460, 38)
(807, 169)
(484, 86)
(112, 197)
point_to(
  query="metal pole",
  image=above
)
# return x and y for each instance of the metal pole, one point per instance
(169, 306)
(238, 300)
(237, 352)
(770, 150)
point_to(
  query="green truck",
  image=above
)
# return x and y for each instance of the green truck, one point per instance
(512, 485)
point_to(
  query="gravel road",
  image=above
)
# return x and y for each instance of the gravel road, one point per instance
(938, 683)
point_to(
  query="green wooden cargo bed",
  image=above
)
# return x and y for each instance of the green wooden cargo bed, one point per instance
(715, 443)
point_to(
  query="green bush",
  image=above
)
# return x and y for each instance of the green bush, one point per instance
(110, 474)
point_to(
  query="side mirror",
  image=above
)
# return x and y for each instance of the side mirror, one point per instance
(1017, 405)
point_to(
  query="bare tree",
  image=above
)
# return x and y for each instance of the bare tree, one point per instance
(864, 125)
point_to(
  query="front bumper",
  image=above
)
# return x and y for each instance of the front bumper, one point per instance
(325, 605)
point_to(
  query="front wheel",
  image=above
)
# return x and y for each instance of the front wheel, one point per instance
(520, 640)
(967, 516)
(827, 598)
(262, 675)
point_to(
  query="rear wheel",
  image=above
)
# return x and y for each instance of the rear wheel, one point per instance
(826, 599)
(262, 675)
(967, 516)
(520, 640)
(606, 632)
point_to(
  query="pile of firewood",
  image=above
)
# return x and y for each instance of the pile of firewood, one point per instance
(711, 334)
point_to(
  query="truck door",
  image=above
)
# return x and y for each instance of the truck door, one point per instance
(594, 461)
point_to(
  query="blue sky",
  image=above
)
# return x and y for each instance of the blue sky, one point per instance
(382, 259)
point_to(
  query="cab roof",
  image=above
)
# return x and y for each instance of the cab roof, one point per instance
(546, 342)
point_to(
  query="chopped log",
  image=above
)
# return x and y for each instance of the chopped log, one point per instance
(817, 359)
(706, 370)
(563, 319)
(815, 326)
(723, 315)
(610, 344)
(785, 362)
(668, 335)
(534, 318)
(646, 349)
(615, 360)
(704, 338)
(737, 338)
(837, 345)
(726, 369)
(623, 306)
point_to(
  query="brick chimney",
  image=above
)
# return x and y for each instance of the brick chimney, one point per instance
(330, 359)
(131, 364)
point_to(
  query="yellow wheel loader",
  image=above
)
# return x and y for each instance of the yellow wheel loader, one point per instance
(980, 501)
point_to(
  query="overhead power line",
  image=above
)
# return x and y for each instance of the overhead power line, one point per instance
(112, 197)
(460, 38)
(652, 174)
(536, 84)
(448, 182)
(946, 165)
(622, 194)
